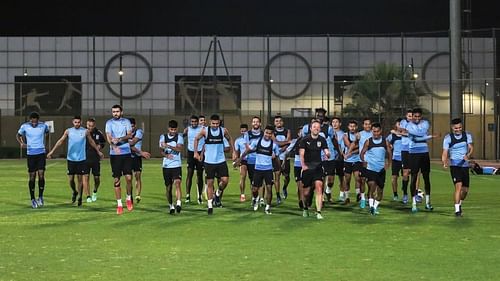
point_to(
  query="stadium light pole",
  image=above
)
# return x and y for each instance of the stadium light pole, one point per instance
(120, 74)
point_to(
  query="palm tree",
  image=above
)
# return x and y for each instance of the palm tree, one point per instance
(383, 93)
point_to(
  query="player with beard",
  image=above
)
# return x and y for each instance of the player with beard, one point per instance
(193, 164)
(93, 159)
(339, 161)
(361, 138)
(310, 151)
(352, 162)
(252, 137)
(137, 155)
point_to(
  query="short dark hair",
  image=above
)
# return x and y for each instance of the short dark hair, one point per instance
(201, 116)
(132, 120)
(117, 106)
(367, 119)
(194, 117)
(244, 126)
(417, 110)
(456, 121)
(269, 127)
(399, 120)
(353, 122)
(91, 119)
(256, 117)
(35, 115)
(315, 121)
(278, 117)
(376, 125)
(172, 124)
(320, 109)
(77, 117)
(409, 111)
(215, 117)
(337, 118)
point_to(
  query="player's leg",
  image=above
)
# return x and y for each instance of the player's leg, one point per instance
(318, 187)
(138, 185)
(178, 189)
(243, 178)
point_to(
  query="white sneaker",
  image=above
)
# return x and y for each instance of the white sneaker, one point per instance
(319, 216)
(94, 196)
(89, 200)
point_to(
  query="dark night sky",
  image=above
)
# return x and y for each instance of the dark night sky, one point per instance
(237, 17)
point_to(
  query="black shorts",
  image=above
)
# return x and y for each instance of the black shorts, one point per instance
(310, 176)
(193, 163)
(260, 177)
(137, 164)
(216, 170)
(36, 162)
(460, 174)
(405, 159)
(250, 171)
(377, 177)
(121, 165)
(297, 172)
(328, 167)
(397, 167)
(171, 174)
(94, 167)
(350, 167)
(339, 167)
(77, 168)
(420, 161)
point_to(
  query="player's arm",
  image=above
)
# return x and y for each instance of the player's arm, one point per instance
(249, 149)
(354, 146)
(229, 139)
(197, 139)
(363, 151)
(93, 144)
(102, 141)
(388, 155)
(470, 150)
(20, 140)
(59, 142)
(179, 146)
(302, 161)
(185, 133)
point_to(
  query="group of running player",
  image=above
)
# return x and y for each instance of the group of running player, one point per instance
(320, 151)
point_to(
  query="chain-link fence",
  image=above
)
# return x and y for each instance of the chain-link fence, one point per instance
(162, 78)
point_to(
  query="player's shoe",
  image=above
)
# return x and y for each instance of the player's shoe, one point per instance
(34, 204)
(200, 201)
(216, 200)
(210, 211)
(119, 210)
(395, 198)
(459, 213)
(285, 193)
(267, 211)
(347, 201)
(405, 199)
(79, 201)
(138, 199)
(94, 196)
(418, 199)
(130, 205)
(178, 209)
(278, 199)
(319, 216)
(262, 203)
(40, 201)
(372, 211)
(188, 200)
(255, 205)
(429, 207)
(89, 199)
(305, 213)
(172, 210)
(73, 197)
(414, 208)
(362, 203)
(242, 198)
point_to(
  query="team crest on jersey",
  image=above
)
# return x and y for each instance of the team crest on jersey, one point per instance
(318, 143)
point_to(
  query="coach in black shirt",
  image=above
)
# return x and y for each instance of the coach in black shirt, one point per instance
(93, 160)
(310, 151)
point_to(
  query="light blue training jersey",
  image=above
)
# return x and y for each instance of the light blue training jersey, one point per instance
(417, 132)
(252, 138)
(192, 132)
(214, 146)
(174, 157)
(264, 152)
(118, 128)
(397, 144)
(35, 137)
(457, 146)
(138, 145)
(77, 143)
(354, 157)
(375, 154)
(240, 145)
(405, 140)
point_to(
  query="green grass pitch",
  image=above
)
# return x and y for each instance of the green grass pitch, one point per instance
(63, 242)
